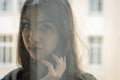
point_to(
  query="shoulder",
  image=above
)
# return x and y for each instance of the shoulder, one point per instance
(86, 76)
(12, 75)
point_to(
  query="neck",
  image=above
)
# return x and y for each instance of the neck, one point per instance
(37, 70)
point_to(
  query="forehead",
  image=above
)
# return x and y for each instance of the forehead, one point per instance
(35, 13)
(39, 13)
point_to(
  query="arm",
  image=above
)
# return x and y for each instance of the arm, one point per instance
(86, 76)
(89, 76)
(12, 75)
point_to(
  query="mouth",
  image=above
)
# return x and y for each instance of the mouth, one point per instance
(34, 49)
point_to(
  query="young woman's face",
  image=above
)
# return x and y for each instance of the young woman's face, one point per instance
(40, 35)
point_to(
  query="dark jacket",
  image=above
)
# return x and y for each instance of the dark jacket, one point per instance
(17, 74)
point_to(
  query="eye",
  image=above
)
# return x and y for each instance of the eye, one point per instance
(45, 27)
(27, 25)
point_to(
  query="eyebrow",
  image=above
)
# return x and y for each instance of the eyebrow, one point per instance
(45, 21)
(25, 19)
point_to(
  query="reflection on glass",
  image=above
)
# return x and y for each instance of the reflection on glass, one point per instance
(46, 43)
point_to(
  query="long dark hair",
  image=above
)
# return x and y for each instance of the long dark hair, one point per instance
(60, 12)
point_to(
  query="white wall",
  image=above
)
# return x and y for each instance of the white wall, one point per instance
(112, 40)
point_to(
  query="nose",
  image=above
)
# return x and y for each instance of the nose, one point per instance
(34, 36)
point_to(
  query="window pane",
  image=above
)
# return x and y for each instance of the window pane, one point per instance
(95, 44)
(95, 5)
(5, 5)
(5, 48)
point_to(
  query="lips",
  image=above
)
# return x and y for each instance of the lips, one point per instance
(34, 49)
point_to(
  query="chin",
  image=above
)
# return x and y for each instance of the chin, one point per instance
(37, 57)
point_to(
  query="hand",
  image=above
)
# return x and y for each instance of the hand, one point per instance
(55, 74)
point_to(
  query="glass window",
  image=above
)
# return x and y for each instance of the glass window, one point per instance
(95, 47)
(5, 5)
(5, 49)
(95, 5)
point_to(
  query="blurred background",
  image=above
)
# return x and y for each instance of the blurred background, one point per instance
(98, 21)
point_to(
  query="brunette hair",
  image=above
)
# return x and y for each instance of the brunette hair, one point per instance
(60, 12)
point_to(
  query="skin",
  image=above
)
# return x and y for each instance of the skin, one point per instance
(55, 74)
(41, 37)
(39, 34)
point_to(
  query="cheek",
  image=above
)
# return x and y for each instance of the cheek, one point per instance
(52, 42)
(25, 37)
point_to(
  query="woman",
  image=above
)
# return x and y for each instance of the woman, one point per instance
(46, 43)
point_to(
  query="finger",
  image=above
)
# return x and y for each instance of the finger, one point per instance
(56, 58)
(49, 65)
(61, 67)
(61, 59)
(64, 59)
